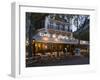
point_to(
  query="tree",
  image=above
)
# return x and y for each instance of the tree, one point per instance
(33, 22)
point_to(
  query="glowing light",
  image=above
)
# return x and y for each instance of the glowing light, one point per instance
(83, 42)
(56, 39)
(54, 36)
(45, 38)
(33, 41)
(27, 42)
(45, 46)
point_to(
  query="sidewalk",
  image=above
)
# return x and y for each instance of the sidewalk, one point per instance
(74, 60)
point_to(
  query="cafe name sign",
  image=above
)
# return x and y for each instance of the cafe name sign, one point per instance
(53, 36)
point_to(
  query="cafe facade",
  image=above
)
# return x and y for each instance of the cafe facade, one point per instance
(55, 37)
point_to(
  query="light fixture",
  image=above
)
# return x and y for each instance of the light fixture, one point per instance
(54, 36)
(45, 38)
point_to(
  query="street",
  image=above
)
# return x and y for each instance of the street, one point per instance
(74, 60)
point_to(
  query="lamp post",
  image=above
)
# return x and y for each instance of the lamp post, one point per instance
(33, 42)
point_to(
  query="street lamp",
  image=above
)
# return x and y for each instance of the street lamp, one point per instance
(33, 42)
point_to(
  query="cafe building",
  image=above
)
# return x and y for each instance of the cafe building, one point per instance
(56, 39)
